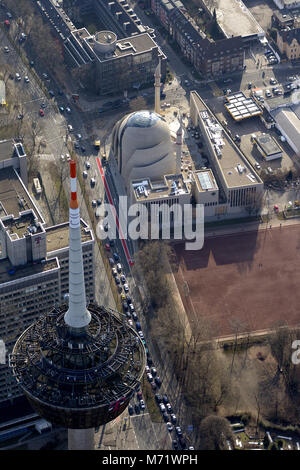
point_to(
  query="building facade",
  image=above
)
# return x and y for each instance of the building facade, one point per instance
(288, 42)
(33, 267)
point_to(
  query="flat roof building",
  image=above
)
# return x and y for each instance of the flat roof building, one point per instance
(268, 147)
(234, 18)
(240, 107)
(239, 184)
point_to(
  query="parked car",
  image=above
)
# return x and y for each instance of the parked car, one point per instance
(165, 417)
(178, 431)
(130, 410)
(126, 288)
(169, 427)
(116, 256)
(42, 114)
(169, 408)
(114, 272)
(174, 444)
(162, 407)
(173, 418)
(138, 326)
(165, 399)
(94, 203)
(139, 395)
(158, 398)
(137, 408)
(119, 267)
(157, 380)
(123, 278)
(142, 405)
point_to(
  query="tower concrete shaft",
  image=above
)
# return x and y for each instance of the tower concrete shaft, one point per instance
(157, 84)
(81, 439)
(77, 316)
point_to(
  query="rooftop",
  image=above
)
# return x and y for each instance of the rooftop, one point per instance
(2, 93)
(268, 144)
(240, 107)
(234, 18)
(20, 226)
(58, 236)
(9, 273)
(234, 166)
(170, 186)
(289, 122)
(7, 149)
(205, 180)
(14, 197)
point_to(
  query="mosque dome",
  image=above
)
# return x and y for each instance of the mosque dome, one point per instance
(142, 144)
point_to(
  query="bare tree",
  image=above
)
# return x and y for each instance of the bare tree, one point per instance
(214, 433)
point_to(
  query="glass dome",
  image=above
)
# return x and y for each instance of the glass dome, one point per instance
(143, 119)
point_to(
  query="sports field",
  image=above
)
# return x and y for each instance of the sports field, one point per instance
(242, 282)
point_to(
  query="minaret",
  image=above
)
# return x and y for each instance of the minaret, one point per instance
(157, 84)
(179, 139)
(77, 317)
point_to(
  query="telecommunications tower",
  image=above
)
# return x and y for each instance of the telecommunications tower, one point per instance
(79, 365)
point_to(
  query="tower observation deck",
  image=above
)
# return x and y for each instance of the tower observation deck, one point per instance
(79, 365)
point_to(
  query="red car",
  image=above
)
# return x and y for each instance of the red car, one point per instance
(107, 246)
(42, 113)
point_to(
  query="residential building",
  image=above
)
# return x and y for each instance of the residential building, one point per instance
(288, 42)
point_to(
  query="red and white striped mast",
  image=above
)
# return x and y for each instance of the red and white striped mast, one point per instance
(77, 317)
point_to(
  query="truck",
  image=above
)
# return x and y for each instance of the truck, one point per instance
(37, 185)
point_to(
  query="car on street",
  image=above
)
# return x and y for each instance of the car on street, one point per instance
(117, 280)
(149, 376)
(174, 444)
(114, 272)
(169, 408)
(173, 418)
(126, 288)
(138, 326)
(134, 316)
(119, 267)
(158, 398)
(169, 427)
(137, 408)
(165, 399)
(142, 405)
(178, 431)
(157, 380)
(131, 308)
(123, 278)
(162, 407)
(141, 334)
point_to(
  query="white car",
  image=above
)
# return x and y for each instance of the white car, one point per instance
(68, 109)
(270, 170)
(70, 128)
(79, 136)
(119, 267)
(18, 76)
(26, 79)
(162, 407)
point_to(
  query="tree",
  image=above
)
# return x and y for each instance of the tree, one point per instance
(214, 432)
(138, 104)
